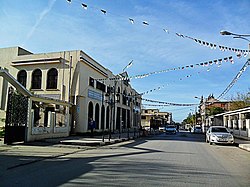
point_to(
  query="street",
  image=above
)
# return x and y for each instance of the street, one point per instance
(183, 159)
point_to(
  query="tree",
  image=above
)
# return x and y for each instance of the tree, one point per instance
(241, 100)
(190, 119)
(215, 110)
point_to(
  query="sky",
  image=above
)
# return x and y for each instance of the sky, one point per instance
(113, 40)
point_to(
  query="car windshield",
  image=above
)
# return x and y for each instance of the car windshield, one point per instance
(219, 129)
(198, 127)
(170, 126)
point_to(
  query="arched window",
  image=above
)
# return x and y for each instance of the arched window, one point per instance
(22, 77)
(36, 79)
(52, 79)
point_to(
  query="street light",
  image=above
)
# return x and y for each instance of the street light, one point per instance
(241, 36)
(202, 111)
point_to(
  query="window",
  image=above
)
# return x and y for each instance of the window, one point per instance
(100, 86)
(36, 79)
(91, 82)
(218, 129)
(52, 79)
(22, 77)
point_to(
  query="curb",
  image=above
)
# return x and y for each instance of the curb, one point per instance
(94, 143)
(245, 147)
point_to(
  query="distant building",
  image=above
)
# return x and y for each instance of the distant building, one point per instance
(153, 118)
(206, 105)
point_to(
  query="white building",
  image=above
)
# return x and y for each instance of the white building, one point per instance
(153, 118)
(73, 77)
(237, 121)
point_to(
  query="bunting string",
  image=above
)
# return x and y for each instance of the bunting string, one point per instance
(168, 103)
(236, 78)
(239, 52)
(153, 105)
(202, 64)
(163, 86)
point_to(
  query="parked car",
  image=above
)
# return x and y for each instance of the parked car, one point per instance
(170, 129)
(147, 128)
(196, 129)
(219, 135)
(162, 129)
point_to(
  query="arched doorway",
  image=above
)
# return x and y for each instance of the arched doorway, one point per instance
(107, 118)
(102, 117)
(90, 112)
(97, 112)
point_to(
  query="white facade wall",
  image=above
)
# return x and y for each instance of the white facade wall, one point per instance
(72, 81)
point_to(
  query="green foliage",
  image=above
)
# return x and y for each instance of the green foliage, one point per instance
(241, 100)
(215, 110)
(190, 119)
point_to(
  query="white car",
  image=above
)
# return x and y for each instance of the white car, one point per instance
(196, 129)
(170, 129)
(219, 135)
(162, 129)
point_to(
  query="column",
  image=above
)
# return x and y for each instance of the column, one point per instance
(248, 127)
(240, 121)
(229, 122)
(225, 121)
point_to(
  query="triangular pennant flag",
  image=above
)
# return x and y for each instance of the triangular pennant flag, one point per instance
(131, 20)
(103, 11)
(84, 6)
(180, 35)
(165, 30)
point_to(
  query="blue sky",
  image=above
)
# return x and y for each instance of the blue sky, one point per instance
(56, 25)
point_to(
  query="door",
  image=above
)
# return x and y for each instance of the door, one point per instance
(16, 117)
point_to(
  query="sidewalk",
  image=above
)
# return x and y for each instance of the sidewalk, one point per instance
(243, 144)
(94, 141)
(20, 154)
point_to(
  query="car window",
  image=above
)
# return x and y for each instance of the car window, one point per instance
(218, 129)
(170, 126)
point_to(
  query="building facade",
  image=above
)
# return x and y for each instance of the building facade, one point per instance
(238, 121)
(206, 106)
(74, 77)
(153, 118)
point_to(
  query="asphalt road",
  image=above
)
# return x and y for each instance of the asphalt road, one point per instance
(164, 160)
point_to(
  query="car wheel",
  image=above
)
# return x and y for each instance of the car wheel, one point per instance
(210, 142)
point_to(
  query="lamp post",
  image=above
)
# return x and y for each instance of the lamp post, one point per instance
(202, 112)
(237, 36)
